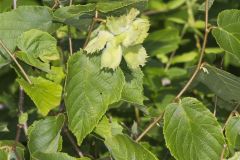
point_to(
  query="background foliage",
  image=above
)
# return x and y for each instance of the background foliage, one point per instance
(111, 111)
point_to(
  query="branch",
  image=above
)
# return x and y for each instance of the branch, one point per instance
(91, 29)
(15, 60)
(151, 125)
(69, 35)
(20, 108)
(71, 139)
(14, 4)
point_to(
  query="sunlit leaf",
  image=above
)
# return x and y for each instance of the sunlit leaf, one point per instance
(38, 48)
(45, 94)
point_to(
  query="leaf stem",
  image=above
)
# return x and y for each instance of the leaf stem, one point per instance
(15, 60)
(71, 139)
(207, 30)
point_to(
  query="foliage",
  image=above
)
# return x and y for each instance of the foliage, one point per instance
(123, 80)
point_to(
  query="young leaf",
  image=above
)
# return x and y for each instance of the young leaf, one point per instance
(133, 88)
(37, 47)
(3, 127)
(223, 84)
(54, 156)
(226, 34)
(135, 56)
(235, 157)
(15, 22)
(111, 56)
(44, 135)
(136, 33)
(44, 93)
(99, 42)
(56, 74)
(233, 133)
(191, 131)
(39, 44)
(106, 129)
(88, 93)
(118, 25)
(7, 153)
(123, 148)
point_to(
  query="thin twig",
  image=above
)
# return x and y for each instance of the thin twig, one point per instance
(91, 29)
(14, 4)
(18, 133)
(174, 52)
(215, 106)
(20, 108)
(230, 116)
(151, 125)
(15, 60)
(223, 152)
(71, 139)
(56, 3)
(70, 35)
(201, 55)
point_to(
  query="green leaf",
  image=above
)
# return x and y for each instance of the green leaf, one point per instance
(6, 152)
(227, 32)
(123, 148)
(88, 93)
(233, 132)
(162, 41)
(191, 131)
(44, 135)
(133, 88)
(117, 6)
(44, 93)
(185, 57)
(135, 56)
(163, 6)
(106, 129)
(111, 56)
(54, 156)
(23, 118)
(223, 84)
(15, 22)
(79, 16)
(235, 157)
(38, 48)
(56, 74)
(3, 127)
